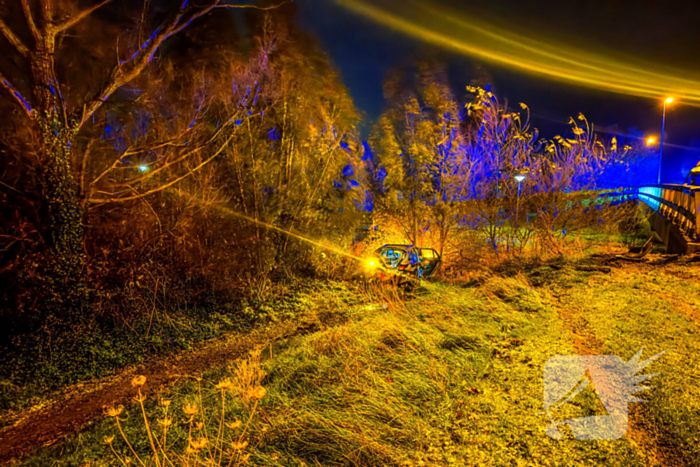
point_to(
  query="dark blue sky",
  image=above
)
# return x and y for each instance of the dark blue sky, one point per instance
(654, 31)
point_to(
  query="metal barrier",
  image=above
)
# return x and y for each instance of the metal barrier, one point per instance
(678, 204)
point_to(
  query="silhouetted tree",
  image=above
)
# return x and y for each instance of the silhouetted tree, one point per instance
(38, 90)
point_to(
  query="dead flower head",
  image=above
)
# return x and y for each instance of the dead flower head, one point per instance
(114, 411)
(235, 425)
(199, 444)
(240, 446)
(108, 439)
(190, 409)
(138, 381)
(257, 393)
(224, 384)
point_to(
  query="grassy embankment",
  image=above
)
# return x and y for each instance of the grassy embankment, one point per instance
(39, 368)
(451, 376)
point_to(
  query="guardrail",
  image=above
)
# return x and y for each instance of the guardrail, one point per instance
(679, 204)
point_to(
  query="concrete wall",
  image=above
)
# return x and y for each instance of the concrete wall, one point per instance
(675, 241)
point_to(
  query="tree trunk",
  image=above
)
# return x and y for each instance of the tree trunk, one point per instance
(64, 271)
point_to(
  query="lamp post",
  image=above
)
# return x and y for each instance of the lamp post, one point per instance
(519, 178)
(661, 143)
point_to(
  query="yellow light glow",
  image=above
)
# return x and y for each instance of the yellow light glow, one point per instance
(371, 263)
(669, 100)
(230, 212)
(544, 56)
(651, 140)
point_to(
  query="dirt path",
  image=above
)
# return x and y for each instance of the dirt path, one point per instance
(657, 451)
(49, 425)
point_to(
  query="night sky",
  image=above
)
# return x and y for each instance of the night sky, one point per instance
(660, 33)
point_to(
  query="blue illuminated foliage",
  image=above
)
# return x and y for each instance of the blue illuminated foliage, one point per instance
(274, 134)
(368, 155)
(381, 174)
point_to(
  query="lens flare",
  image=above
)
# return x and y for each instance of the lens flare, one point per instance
(289, 233)
(455, 31)
(230, 212)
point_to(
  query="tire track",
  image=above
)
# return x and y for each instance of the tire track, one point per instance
(50, 425)
(657, 450)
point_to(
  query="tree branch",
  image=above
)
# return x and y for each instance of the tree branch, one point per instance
(126, 71)
(78, 18)
(167, 185)
(18, 97)
(30, 21)
(151, 173)
(46, 11)
(254, 7)
(13, 39)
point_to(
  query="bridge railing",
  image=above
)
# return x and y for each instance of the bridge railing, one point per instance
(679, 204)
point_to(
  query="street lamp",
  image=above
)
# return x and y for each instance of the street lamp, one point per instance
(651, 140)
(519, 178)
(661, 143)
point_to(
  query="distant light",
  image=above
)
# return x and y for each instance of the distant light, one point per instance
(520, 178)
(651, 140)
(143, 168)
(371, 263)
(669, 100)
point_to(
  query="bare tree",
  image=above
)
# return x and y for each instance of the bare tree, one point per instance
(58, 122)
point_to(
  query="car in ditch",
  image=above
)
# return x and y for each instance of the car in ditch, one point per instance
(401, 263)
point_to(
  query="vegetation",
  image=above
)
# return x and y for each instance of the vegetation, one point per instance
(207, 182)
(449, 376)
(179, 185)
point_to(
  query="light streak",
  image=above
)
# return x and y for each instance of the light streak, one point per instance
(559, 61)
(289, 233)
(324, 246)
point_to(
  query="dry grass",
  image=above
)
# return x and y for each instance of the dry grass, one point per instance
(452, 375)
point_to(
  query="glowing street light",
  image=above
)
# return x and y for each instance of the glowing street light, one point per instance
(651, 140)
(668, 100)
(143, 168)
